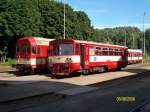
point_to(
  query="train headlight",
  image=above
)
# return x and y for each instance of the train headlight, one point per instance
(68, 60)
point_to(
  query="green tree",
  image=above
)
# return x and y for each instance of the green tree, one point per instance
(18, 18)
(83, 25)
(119, 35)
(147, 41)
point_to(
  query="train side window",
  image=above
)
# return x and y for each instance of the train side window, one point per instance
(98, 51)
(23, 50)
(129, 55)
(105, 51)
(77, 48)
(120, 52)
(39, 50)
(17, 50)
(110, 51)
(48, 52)
(91, 51)
(116, 52)
(28, 50)
(33, 50)
(134, 55)
(98, 48)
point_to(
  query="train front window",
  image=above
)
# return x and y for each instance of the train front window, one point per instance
(26, 49)
(66, 49)
(33, 50)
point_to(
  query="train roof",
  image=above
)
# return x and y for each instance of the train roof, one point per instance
(134, 50)
(42, 41)
(38, 40)
(91, 42)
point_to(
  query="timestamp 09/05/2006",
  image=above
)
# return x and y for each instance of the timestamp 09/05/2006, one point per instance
(125, 99)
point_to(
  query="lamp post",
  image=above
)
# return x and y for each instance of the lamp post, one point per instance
(144, 33)
(132, 41)
(125, 39)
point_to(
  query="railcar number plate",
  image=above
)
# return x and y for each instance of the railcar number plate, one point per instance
(60, 73)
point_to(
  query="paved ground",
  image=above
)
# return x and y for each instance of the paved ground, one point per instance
(27, 86)
(46, 94)
(15, 92)
(146, 108)
(103, 99)
(23, 79)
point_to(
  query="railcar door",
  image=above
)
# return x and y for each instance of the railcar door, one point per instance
(84, 63)
(82, 56)
(125, 58)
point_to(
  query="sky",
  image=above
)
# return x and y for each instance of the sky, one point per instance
(114, 13)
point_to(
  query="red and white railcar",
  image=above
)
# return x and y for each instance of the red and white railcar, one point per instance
(135, 56)
(67, 56)
(31, 53)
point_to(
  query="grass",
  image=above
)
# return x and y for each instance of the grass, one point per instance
(9, 62)
(146, 58)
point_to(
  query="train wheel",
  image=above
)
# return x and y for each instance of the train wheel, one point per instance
(118, 69)
(91, 70)
(85, 72)
(55, 76)
(101, 69)
(20, 72)
(31, 71)
(106, 69)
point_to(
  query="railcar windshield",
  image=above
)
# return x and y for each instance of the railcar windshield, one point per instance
(65, 49)
(61, 49)
(25, 49)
